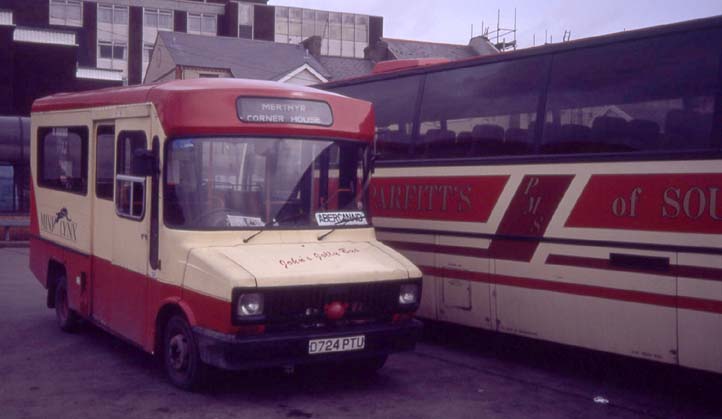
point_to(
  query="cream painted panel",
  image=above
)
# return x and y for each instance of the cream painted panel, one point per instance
(629, 328)
(71, 227)
(698, 329)
(638, 330)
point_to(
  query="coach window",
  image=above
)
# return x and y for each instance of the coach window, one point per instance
(104, 157)
(63, 158)
(129, 189)
(655, 94)
(394, 102)
(481, 111)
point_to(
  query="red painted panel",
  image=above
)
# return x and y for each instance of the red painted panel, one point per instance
(208, 107)
(210, 312)
(685, 203)
(436, 198)
(697, 304)
(529, 213)
(686, 271)
(434, 248)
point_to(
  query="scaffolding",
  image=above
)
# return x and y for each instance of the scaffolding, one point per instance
(500, 35)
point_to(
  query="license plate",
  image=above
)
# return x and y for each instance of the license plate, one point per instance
(323, 346)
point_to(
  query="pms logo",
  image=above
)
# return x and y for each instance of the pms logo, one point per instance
(59, 225)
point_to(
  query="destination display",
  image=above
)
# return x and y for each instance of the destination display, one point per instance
(268, 110)
(329, 219)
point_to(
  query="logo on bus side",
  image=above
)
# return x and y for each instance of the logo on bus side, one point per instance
(59, 224)
(453, 198)
(652, 202)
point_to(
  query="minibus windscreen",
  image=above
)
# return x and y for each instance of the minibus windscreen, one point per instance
(251, 183)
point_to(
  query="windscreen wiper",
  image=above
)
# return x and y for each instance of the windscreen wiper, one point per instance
(249, 238)
(339, 223)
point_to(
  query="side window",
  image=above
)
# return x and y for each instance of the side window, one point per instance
(129, 189)
(104, 158)
(653, 94)
(486, 110)
(63, 158)
(394, 104)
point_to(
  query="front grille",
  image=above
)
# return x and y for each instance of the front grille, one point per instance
(304, 306)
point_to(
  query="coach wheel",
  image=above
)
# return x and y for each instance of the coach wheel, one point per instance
(67, 319)
(180, 355)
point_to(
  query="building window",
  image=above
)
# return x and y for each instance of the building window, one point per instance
(158, 19)
(208, 75)
(202, 24)
(112, 14)
(112, 50)
(66, 12)
(147, 53)
(245, 21)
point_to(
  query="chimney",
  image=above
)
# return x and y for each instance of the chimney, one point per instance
(313, 45)
(482, 46)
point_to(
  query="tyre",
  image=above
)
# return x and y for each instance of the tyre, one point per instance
(68, 319)
(181, 359)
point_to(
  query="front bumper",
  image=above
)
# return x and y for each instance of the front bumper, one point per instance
(248, 352)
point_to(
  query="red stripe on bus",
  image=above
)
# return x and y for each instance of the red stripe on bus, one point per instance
(684, 203)
(448, 198)
(685, 271)
(437, 248)
(640, 297)
(528, 215)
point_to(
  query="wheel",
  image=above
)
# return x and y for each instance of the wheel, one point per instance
(181, 359)
(68, 320)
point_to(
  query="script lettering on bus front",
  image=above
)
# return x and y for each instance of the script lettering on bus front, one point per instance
(59, 224)
(321, 256)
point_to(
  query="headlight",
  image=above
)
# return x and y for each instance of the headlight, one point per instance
(408, 294)
(249, 305)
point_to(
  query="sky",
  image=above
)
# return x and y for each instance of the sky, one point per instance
(450, 21)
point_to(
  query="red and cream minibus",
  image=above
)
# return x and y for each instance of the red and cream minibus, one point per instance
(217, 222)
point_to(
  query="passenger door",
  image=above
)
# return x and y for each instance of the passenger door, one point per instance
(130, 232)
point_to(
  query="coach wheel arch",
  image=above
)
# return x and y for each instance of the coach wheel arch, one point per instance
(55, 271)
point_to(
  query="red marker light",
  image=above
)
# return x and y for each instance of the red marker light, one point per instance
(335, 310)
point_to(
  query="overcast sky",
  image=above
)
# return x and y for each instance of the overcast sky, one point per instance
(450, 20)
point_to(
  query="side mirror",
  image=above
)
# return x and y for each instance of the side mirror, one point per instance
(144, 163)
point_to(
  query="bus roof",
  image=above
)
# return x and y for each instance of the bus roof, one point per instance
(691, 25)
(208, 107)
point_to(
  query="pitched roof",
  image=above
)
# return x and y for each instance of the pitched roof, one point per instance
(406, 49)
(344, 68)
(244, 58)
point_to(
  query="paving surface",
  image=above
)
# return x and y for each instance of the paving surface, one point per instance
(455, 373)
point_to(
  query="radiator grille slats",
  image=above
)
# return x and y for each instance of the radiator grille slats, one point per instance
(299, 304)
